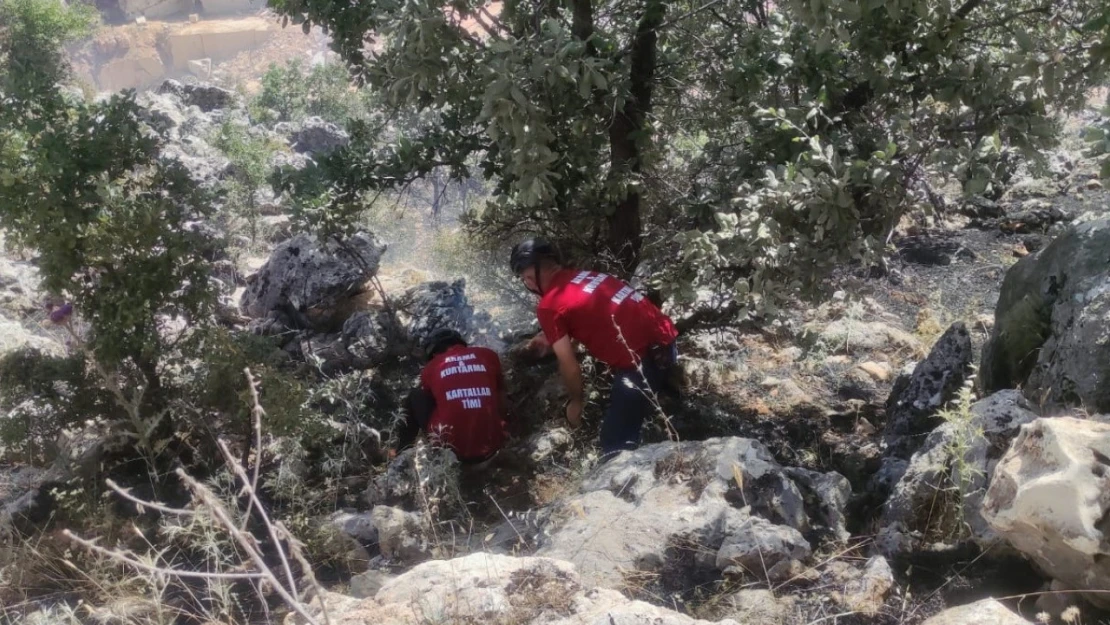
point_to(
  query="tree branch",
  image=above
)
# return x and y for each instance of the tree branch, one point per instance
(1002, 21)
(688, 14)
(123, 558)
(966, 9)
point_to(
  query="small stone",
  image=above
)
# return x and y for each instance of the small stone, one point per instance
(864, 427)
(1020, 251)
(400, 535)
(358, 526)
(193, 18)
(366, 585)
(880, 371)
(1094, 185)
(866, 592)
(764, 551)
(985, 322)
(140, 20)
(757, 606)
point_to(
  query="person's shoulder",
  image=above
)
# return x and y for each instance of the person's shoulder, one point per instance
(554, 295)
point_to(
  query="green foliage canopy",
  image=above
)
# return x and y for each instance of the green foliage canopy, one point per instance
(760, 143)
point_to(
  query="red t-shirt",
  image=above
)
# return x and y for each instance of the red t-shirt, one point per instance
(590, 307)
(468, 415)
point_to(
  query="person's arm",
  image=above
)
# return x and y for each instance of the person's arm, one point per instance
(418, 411)
(571, 373)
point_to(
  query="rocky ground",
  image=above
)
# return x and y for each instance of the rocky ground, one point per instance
(925, 438)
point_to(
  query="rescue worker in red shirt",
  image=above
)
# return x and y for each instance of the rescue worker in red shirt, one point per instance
(615, 323)
(460, 403)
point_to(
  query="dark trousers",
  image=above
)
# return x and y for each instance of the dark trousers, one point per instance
(634, 397)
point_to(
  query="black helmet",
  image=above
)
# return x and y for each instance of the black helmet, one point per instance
(529, 253)
(440, 340)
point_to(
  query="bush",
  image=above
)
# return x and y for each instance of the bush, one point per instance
(1097, 137)
(290, 94)
(251, 157)
(748, 161)
(84, 186)
(40, 395)
(219, 385)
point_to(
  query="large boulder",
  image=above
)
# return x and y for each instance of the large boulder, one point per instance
(916, 505)
(434, 305)
(313, 279)
(985, 612)
(687, 511)
(163, 112)
(486, 588)
(1050, 498)
(1051, 332)
(422, 477)
(915, 399)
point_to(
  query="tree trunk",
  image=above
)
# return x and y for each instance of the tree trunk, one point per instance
(626, 136)
(628, 128)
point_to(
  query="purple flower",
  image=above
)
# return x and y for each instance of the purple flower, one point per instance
(61, 313)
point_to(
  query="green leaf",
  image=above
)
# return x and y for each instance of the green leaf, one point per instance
(976, 186)
(824, 42)
(1049, 77)
(518, 95)
(1023, 40)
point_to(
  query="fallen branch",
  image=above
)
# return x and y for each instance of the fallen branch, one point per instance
(125, 558)
(263, 576)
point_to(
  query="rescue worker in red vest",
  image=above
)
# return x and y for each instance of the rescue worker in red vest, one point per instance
(460, 402)
(615, 323)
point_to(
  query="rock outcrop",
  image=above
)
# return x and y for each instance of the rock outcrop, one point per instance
(313, 136)
(993, 423)
(690, 510)
(915, 399)
(19, 286)
(1051, 333)
(1050, 499)
(206, 97)
(484, 588)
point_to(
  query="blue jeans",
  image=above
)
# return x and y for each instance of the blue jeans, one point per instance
(633, 398)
